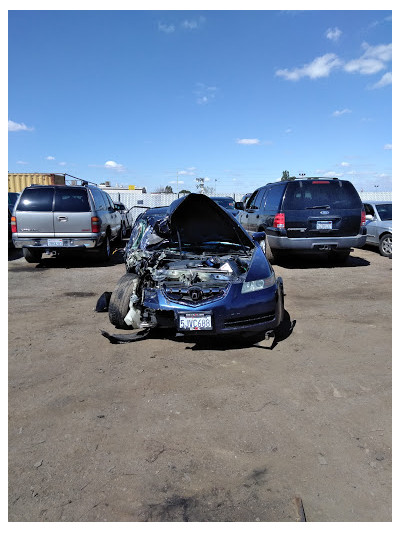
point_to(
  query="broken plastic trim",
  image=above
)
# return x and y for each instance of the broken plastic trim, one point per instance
(130, 337)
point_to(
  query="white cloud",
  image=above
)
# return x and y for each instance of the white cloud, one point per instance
(372, 61)
(22, 163)
(344, 164)
(289, 130)
(50, 158)
(62, 163)
(174, 181)
(205, 93)
(320, 67)
(15, 126)
(332, 175)
(188, 172)
(385, 80)
(112, 165)
(248, 141)
(340, 112)
(333, 34)
(193, 24)
(166, 28)
(387, 147)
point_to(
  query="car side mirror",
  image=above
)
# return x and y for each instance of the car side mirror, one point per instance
(258, 236)
(369, 217)
(239, 205)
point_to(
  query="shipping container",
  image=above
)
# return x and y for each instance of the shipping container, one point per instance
(18, 182)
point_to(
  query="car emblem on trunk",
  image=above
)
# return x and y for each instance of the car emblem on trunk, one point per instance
(324, 212)
(196, 294)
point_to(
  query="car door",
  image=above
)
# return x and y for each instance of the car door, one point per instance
(112, 216)
(251, 217)
(372, 230)
(34, 212)
(72, 212)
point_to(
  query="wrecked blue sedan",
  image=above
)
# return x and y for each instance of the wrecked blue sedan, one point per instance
(192, 267)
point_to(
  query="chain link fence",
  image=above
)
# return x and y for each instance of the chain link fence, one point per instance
(139, 202)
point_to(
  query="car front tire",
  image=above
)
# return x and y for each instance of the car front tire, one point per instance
(385, 245)
(119, 301)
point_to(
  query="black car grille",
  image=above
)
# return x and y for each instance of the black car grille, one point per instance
(195, 295)
(249, 320)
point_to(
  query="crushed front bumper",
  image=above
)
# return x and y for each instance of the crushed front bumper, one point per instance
(236, 313)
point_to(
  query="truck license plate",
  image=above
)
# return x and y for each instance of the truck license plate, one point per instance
(195, 321)
(324, 224)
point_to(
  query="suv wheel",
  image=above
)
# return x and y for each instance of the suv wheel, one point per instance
(385, 245)
(32, 256)
(271, 255)
(119, 301)
(105, 249)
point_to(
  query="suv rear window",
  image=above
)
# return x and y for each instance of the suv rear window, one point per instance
(40, 199)
(321, 193)
(71, 200)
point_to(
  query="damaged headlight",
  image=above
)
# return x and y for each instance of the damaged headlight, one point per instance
(258, 284)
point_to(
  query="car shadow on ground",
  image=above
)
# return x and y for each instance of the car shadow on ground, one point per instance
(14, 253)
(301, 262)
(72, 260)
(220, 343)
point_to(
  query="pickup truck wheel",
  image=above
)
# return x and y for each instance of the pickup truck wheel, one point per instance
(119, 301)
(385, 245)
(32, 256)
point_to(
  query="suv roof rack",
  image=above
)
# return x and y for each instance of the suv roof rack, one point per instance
(83, 182)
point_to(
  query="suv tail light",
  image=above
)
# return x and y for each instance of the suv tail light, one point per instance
(279, 220)
(95, 225)
(363, 218)
(13, 225)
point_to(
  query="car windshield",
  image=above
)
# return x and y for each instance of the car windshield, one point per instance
(227, 203)
(384, 211)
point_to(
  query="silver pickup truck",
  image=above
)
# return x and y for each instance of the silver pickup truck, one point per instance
(64, 218)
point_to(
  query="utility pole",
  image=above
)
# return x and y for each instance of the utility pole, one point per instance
(200, 185)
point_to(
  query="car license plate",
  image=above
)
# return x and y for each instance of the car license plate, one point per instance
(324, 224)
(54, 242)
(195, 321)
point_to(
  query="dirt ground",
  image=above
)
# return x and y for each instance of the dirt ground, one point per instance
(165, 430)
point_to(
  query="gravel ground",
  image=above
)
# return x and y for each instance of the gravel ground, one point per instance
(167, 430)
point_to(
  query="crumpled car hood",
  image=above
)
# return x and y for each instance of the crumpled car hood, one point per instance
(198, 219)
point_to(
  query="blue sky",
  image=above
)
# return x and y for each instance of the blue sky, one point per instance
(152, 98)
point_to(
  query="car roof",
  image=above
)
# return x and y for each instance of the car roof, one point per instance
(221, 197)
(377, 202)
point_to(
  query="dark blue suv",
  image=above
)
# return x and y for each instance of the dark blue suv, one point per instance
(308, 215)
